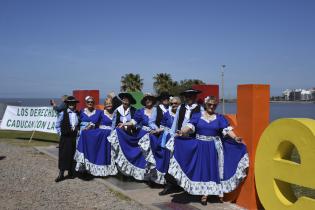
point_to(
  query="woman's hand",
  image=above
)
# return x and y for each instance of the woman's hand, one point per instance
(238, 139)
(179, 133)
(88, 127)
(120, 125)
(154, 132)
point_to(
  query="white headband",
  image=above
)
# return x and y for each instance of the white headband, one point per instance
(88, 97)
(206, 99)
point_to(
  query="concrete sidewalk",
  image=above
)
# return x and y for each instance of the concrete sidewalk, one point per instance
(149, 197)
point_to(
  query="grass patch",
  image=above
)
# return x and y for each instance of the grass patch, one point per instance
(21, 138)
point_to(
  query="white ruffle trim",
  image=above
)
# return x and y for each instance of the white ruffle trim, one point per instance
(232, 183)
(219, 148)
(193, 187)
(157, 176)
(154, 175)
(170, 143)
(95, 170)
(123, 165)
(144, 144)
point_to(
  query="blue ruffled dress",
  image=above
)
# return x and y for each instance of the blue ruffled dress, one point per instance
(154, 149)
(206, 165)
(94, 153)
(129, 157)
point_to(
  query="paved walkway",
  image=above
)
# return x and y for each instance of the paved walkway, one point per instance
(149, 197)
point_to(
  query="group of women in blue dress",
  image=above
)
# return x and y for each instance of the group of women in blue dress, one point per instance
(172, 144)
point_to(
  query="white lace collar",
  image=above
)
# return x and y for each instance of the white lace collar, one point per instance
(170, 111)
(110, 117)
(189, 109)
(163, 108)
(88, 113)
(122, 111)
(210, 119)
(146, 114)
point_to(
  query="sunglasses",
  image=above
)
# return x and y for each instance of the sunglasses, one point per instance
(209, 104)
(90, 102)
(174, 104)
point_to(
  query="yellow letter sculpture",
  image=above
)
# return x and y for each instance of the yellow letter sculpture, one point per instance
(274, 171)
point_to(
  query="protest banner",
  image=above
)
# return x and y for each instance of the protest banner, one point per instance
(41, 119)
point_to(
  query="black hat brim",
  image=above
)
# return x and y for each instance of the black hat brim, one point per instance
(190, 92)
(163, 96)
(131, 99)
(71, 99)
(152, 98)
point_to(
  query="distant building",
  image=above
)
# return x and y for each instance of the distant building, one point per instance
(286, 94)
(306, 95)
(299, 95)
(295, 95)
(313, 94)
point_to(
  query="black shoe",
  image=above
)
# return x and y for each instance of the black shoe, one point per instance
(167, 190)
(70, 176)
(59, 178)
(204, 201)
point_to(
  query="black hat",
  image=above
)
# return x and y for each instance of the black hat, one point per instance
(131, 99)
(190, 92)
(164, 95)
(148, 97)
(71, 99)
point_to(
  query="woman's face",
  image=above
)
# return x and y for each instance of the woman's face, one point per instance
(190, 98)
(174, 104)
(125, 102)
(108, 105)
(72, 105)
(210, 107)
(165, 102)
(148, 103)
(90, 103)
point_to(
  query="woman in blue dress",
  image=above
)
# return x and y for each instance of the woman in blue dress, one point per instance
(89, 116)
(89, 119)
(199, 164)
(153, 144)
(94, 154)
(125, 137)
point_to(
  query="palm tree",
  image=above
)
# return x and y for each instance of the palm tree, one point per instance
(131, 82)
(187, 83)
(163, 82)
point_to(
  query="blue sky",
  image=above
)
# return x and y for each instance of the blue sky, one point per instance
(48, 48)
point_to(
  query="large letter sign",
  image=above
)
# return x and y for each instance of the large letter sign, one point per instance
(275, 172)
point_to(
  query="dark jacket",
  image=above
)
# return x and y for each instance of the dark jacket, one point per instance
(182, 111)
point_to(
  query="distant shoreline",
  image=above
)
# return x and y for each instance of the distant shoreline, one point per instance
(293, 102)
(275, 102)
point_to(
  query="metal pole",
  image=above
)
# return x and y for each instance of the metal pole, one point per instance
(31, 136)
(222, 88)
